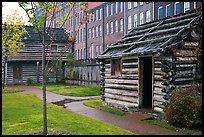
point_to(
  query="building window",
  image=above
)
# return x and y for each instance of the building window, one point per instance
(129, 22)
(93, 17)
(93, 33)
(81, 54)
(121, 7)
(129, 5)
(116, 8)
(78, 54)
(135, 4)
(160, 11)
(53, 47)
(116, 26)
(92, 50)
(84, 34)
(101, 49)
(97, 51)
(141, 3)
(84, 53)
(96, 31)
(100, 17)
(107, 10)
(89, 33)
(111, 27)
(148, 16)
(121, 24)
(135, 20)
(168, 10)
(107, 28)
(111, 9)
(186, 6)
(141, 18)
(177, 8)
(96, 14)
(116, 67)
(90, 19)
(100, 29)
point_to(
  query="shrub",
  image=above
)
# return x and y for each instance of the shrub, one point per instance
(29, 81)
(185, 108)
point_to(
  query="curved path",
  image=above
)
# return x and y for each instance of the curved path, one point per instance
(131, 122)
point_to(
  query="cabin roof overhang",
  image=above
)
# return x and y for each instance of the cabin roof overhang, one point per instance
(157, 36)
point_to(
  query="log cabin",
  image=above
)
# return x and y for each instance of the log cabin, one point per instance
(141, 69)
(27, 64)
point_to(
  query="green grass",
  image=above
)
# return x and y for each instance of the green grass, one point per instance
(71, 90)
(98, 105)
(22, 114)
(8, 90)
(168, 126)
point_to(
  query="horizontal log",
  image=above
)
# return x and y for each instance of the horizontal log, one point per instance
(158, 84)
(158, 98)
(121, 98)
(158, 110)
(190, 44)
(186, 58)
(184, 52)
(122, 92)
(158, 104)
(121, 81)
(158, 91)
(121, 103)
(117, 86)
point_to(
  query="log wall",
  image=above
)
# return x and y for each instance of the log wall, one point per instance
(120, 91)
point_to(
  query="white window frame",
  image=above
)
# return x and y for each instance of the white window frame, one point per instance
(129, 5)
(121, 6)
(111, 9)
(107, 10)
(121, 25)
(135, 20)
(96, 15)
(100, 12)
(97, 51)
(93, 17)
(129, 22)
(141, 18)
(100, 30)
(93, 32)
(92, 50)
(141, 3)
(168, 5)
(148, 16)
(158, 12)
(175, 7)
(186, 5)
(96, 31)
(111, 27)
(116, 8)
(135, 4)
(107, 28)
(101, 49)
(116, 26)
(90, 33)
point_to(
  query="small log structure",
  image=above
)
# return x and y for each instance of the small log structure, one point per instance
(171, 43)
(29, 58)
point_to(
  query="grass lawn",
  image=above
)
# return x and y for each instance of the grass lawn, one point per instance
(168, 126)
(98, 105)
(22, 114)
(10, 89)
(71, 90)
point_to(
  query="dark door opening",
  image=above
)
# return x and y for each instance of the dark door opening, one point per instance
(17, 74)
(145, 82)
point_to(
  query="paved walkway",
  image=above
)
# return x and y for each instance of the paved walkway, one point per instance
(131, 122)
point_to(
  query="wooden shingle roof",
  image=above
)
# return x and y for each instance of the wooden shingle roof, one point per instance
(32, 51)
(155, 36)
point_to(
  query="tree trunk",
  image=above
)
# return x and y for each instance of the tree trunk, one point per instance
(44, 82)
(4, 78)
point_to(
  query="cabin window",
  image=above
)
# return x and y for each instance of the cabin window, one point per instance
(116, 67)
(53, 47)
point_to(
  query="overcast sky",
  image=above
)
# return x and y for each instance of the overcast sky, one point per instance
(9, 8)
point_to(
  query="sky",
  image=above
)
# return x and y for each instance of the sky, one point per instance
(9, 8)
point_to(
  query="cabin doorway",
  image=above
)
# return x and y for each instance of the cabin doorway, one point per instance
(17, 74)
(145, 82)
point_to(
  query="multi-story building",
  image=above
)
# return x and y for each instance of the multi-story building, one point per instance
(138, 13)
(112, 20)
(165, 9)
